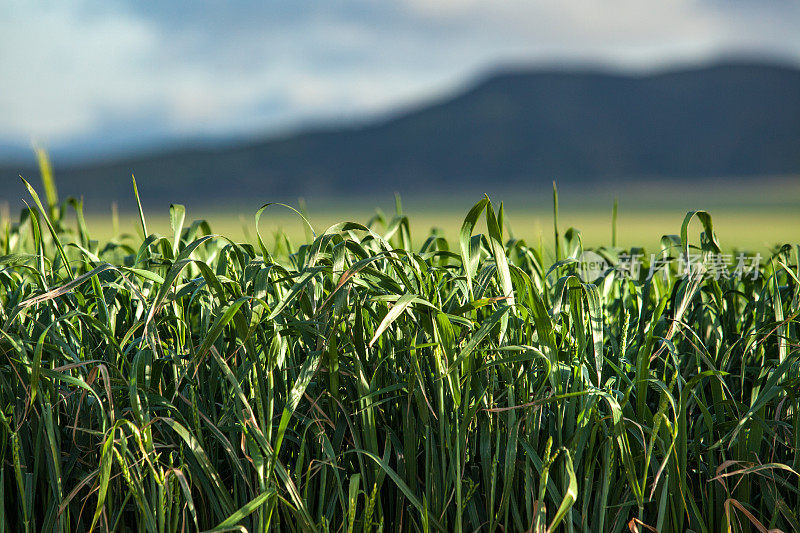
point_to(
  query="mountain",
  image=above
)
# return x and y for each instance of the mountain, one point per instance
(513, 128)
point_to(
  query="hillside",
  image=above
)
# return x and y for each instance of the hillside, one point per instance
(512, 128)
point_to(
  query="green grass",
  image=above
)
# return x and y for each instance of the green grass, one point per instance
(375, 379)
(755, 229)
(751, 215)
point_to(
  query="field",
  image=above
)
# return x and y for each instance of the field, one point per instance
(747, 215)
(367, 378)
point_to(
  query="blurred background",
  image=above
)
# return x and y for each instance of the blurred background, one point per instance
(224, 106)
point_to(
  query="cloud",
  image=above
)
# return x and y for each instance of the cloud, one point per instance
(59, 66)
(633, 33)
(94, 73)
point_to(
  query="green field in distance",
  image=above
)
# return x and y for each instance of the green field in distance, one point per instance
(746, 215)
(752, 214)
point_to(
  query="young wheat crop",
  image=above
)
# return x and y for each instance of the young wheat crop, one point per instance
(359, 383)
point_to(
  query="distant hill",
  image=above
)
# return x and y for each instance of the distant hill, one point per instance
(513, 128)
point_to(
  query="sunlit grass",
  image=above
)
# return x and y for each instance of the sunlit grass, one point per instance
(381, 377)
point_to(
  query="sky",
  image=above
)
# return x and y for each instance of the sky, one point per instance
(85, 78)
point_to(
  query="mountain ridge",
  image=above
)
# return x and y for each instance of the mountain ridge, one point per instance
(512, 127)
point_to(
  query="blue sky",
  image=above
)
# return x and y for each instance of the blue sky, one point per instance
(84, 77)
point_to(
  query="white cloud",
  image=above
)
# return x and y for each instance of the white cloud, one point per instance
(632, 33)
(60, 68)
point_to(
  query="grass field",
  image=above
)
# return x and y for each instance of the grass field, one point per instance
(747, 215)
(754, 229)
(375, 379)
